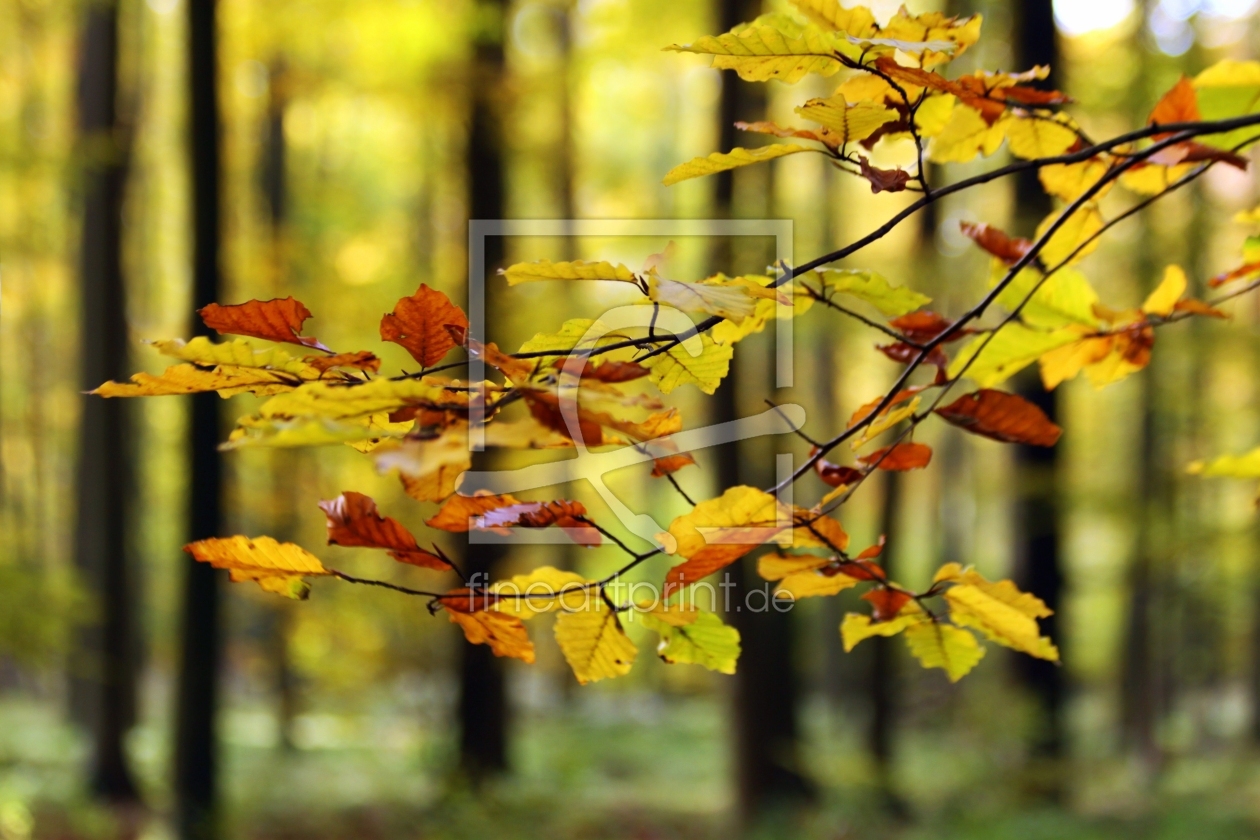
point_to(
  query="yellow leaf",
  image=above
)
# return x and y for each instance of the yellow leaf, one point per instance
(342, 402)
(704, 640)
(275, 566)
(933, 26)
(1013, 348)
(735, 158)
(678, 366)
(1001, 613)
(885, 421)
(1069, 180)
(1065, 298)
(874, 288)
(313, 431)
(190, 379)
(774, 47)
(1165, 296)
(1227, 89)
(545, 589)
(966, 135)
(428, 468)
(237, 352)
(851, 123)
(857, 627)
(857, 21)
(779, 566)
(729, 332)
(731, 302)
(1153, 179)
(505, 634)
(1064, 363)
(1077, 230)
(594, 644)
(717, 532)
(807, 584)
(575, 270)
(866, 87)
(938, 645)
(1037, 137)
(934, 114)
(1230, 466)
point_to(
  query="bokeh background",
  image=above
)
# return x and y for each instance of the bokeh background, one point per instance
(346, 172)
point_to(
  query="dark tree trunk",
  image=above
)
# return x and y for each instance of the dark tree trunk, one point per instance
(881, 734)
(196, 753)
(483, 707)
(104, 481)
(766, 682)
(1039, 565)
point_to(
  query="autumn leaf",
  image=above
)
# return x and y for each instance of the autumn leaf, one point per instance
(938, 645)
(1008, 249)
(574, 270)
(719, 531)
(774, 47)
(567, 515)
(865, 410)
(1001, 613)
(594, 643)
(1178, 105)
(429, 468)
(847, 123)
(857, 627)
(360, 360)
(735, 158)
(901, 457)
(835, 475)
(965, 135)
(427, 324)
(505, 634)
(731, 302)
(275, 320)
(874, 288)
(342, 401)
(671, 464)
(1002, 416)
(1163, 298)
(607, 371)
(189, 379)
(275, 566)
(544, 589)
(992, 359)
(701, 639)
(922, 327)
(353, 520)
(678, 366)
(459, 513)
(887, 603)
(829, 14)
(883, 180)
(1031, 136)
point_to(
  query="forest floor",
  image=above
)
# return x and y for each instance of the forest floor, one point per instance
(615, 766)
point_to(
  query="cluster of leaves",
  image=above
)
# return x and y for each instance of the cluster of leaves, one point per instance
(592, 384)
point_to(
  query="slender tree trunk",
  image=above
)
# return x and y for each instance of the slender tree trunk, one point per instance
(104, 480)
(483, 707)
(196, 752)
(881, 734)
(766, 683)
(1039, 565)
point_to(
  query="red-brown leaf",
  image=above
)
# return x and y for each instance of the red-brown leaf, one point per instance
(361, 359)
(1198, 307)
(834, 475)
(873, 551)
(545, 406)
(1178, 105)
(887, 602)
(563, 514)
(427, 324)
(275, 320)
(924, 326)
(883, 180)
(609, 371)
(1245, 270)
(353, 520)
(1001, 416)
(670, 464)
(458, 513)
(899, 458)
(905, 354)
(1008, 249)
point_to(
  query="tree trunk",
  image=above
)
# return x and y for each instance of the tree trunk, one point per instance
(482, 705)
(881, 734)
(196, 753)
(766, 683)
(1039, 565)
(104, 481)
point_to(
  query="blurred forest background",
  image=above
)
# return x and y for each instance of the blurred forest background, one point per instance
(358, 137)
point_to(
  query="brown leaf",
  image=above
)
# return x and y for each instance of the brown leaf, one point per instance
(275, 320)
(834, 475)
(924, 326)
(561, 513)
(609, 371)
(458, 513)
(427, 324)
(361, 359)
(465, 600)
(1135, 343)
(670, 464)
(353, 520)
(1178, 105)
(883, 180)
(1008, 249)
(905, 354)
(1245, 270)
(545, 406)
(1198, 307)
(887, 602)
(1001, 416)
(899, 458)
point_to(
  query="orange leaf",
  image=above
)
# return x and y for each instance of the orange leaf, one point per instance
(609, 371)
(671, 464)
(1178, 105)
(887, 602)
(1198, 307)
(1001, 416)
(361, 359)
(353, 520)
(899, 458)
(1245, 270)
(517, 370)
(925, 326)
(504, 633)
(458, 513)
(1008, 249)
(423, 324)
(562, 514)
(275, 320)
(872, 551)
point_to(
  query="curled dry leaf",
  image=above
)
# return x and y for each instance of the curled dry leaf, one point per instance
(563, 514)
(1001, 416)
(905, 354)
(899, 458)
(883, 180)
(834, 475)
(459, 513)
(427, 324)
(353, 520)
(279, 319)
(1008, 249)
(360, 359)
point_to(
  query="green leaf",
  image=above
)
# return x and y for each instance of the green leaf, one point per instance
(1066, 298)
(705, 641)
(875, 289)
(1011, 350)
